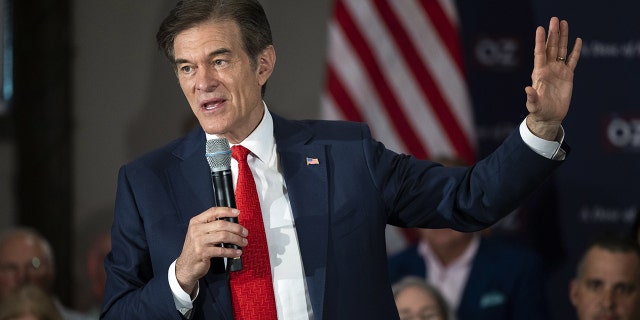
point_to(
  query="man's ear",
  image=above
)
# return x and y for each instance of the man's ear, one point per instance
(573, 292)
(266, 63)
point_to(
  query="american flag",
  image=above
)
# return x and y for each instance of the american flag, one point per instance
(398, 66)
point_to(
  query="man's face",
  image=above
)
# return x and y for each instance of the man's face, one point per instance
(218, 79)
(23, 261)
(607, 287)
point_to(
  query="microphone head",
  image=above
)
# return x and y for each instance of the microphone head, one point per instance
(218, 154)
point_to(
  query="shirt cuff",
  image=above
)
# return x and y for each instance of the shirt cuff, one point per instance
(182, 300)
(545, 148)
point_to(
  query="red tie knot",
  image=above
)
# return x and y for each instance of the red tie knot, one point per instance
(239, 153)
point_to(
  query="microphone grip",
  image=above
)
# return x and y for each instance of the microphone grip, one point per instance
(225, 197)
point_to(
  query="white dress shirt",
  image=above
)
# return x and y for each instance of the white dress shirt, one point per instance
(292, 296)
(292, 301)
(451, 279)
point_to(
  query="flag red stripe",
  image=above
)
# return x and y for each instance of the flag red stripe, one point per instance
(421, 73)
(447, 132)
(339, 94)
(446, 30)
(389, 100)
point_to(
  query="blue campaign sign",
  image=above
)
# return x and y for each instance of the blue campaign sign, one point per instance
(596, 189)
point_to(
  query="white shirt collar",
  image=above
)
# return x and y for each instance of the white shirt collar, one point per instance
(463, 260)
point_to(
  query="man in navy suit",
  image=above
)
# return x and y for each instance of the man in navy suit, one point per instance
(326, 189)
(480, 278)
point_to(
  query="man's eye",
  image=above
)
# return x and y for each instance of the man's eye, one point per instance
(219, 62)
(626, 288)
(9, 268)
(186, 69)
(594, 285)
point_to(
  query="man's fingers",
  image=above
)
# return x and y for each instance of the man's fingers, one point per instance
(564, 39)
(211, 228)
(228, 232)
(553, 39)
(215, 213)
(539, 51)
(532, 94)
(572, 60)
(219, 251)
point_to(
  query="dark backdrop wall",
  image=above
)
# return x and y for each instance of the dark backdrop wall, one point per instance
(595, 191)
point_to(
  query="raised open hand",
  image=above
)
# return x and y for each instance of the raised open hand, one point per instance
(549, 95)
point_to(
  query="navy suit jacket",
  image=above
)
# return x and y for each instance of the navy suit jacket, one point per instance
(506, 282)
(340, 207)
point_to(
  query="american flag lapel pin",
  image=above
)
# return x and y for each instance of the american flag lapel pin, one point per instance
(311, 161)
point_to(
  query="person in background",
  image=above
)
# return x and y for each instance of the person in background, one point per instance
(28, 302)
(417, 299)
(100, 247)
(479, 277)
(322, 191)
(26, 258)
(94, 243)
(607, 281)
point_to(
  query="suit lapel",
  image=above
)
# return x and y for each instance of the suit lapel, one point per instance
(478, 284)
(191, 182)
(307, 187)
(190, 178)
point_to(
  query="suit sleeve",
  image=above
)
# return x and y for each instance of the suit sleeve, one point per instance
(425, 194)
(133, 290)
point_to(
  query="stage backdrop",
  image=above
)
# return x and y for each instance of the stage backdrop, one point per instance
(595, 190)
(380, 53)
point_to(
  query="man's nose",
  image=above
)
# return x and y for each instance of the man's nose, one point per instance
(22, 276)
(29, 272)
(608, 299)
(207, 79)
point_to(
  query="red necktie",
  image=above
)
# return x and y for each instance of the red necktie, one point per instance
(252, 287)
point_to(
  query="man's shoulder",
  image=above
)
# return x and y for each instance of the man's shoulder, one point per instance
(322, 124)
(320, 129)
(176, 149)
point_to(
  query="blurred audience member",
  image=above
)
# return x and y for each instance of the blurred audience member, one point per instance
(26, 258)
(28, 302)
(607, 280)
(417, 299)
(479, 277)
(93, 246)
(95, 270)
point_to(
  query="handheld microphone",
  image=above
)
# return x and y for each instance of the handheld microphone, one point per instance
(218, 155)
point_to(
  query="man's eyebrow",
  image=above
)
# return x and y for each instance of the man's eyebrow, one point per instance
(627, 283)
(180, 61)
(214, 53)
(219, 52)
